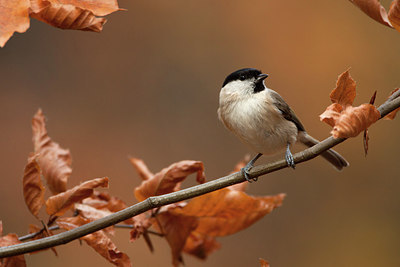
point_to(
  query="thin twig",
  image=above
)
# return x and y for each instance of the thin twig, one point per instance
(191, 192)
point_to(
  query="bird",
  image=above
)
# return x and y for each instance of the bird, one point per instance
(262, 120)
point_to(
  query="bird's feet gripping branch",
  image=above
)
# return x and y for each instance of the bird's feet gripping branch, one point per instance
(248, 167)
(289, 157)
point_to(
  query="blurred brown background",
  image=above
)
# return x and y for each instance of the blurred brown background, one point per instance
(148, 86)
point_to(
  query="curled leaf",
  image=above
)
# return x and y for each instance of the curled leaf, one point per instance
(66, 16)
(98, 7)
(92, 214)
(374, 10)
(141, 168)
(14, 17)
(169, 179)
(32, 186)
(264, 263)
(54, 161)
(99, 241)
(57, 205)
(345, 90)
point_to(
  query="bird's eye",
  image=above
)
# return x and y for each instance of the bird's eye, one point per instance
(242, 78)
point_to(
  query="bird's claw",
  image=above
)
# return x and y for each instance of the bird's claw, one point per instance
(246, 174)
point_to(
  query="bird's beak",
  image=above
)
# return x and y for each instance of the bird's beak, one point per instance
(261, 77)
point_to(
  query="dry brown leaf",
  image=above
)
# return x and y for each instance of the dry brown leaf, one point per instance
(200, 245)
(8, 240)
(366, 137)
(32, 186)
(392, 114)
(169, 179)
(374, 10)
(225, 212)
(57, 205)
(66, 16)
(98, 7)
(176, 229)
(346, 120)
(394, 14)
(14, 17)
(345, 90)
(99, 241)
(264, 263)
(54, 161)
(141, 168)
(92, 214)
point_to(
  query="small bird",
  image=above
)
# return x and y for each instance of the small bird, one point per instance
(262, 120)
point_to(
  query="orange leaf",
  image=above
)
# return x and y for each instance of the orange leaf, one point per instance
(57, 205)
(99, 241)
(392, 114)
(345, 90)
(346, 120)
(374, 10)
(394, 14)
(176, 229)
(14, 17)
(98, 7)
(141, 168)
(32, 186)
(92, 214)
(54, 161)
(264, 263)
(225, 212)
(354, 120)
(66, 16)
(169, 179)
(200, 245)
(8, 240)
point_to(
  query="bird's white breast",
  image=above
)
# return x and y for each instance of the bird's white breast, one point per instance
(257, 122)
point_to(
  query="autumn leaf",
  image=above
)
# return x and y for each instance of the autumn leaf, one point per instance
(346, 120)
(200, 245)
(392, 114)
(32, 186)
(54, 161)
(169, 179)
(13, 18)
(141, 168)
(374, 10)
(92, 214)
(394, 14)
(57, 205)
(264, 263)
(99, 241)
(8, 240)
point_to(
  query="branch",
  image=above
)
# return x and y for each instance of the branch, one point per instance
(157, 201)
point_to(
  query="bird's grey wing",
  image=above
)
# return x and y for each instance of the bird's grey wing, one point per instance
(286, 111)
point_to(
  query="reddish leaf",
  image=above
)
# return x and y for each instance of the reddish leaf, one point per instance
(374, 10)
(99, 241)
(54, 161)
(32, 186)
(98, 7)
(345, 90)
(8, 240)
(14, 17)
(67, 16)
(57, 205)
(225, 212)
(200, 245)
(176, 229)
(346, 120)
(392, 114)
(141, 168)
(264, 263)
(169, 179)
(394, 14)
(92, 214)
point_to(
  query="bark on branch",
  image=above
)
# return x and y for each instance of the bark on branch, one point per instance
(157, 201)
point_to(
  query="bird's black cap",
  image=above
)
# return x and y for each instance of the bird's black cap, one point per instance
(242, 74)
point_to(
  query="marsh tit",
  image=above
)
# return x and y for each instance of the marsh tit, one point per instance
(262, 120)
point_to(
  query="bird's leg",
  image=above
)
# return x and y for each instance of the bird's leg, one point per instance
(248, 167)
(289, 157)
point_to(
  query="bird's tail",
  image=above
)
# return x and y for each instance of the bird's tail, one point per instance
(330, 155)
